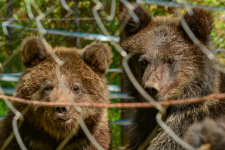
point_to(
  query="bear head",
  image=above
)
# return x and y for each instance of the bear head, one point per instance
(166, 62)
(79, 79)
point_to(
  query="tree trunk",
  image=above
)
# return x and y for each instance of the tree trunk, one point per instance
(9, 37)
(77, 22)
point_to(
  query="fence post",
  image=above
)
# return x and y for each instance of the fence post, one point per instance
(126, 113)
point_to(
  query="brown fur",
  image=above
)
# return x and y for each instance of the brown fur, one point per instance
(169, 65)
(207, 135)
(82, 72)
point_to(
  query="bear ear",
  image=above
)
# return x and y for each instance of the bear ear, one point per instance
(98, 56)
(133, 27)
(33, 51)
(200, 23)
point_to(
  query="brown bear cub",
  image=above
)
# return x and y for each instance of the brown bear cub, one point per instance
(207, 135)
(44, 128)
(169, 65)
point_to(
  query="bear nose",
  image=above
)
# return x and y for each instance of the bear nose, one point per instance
(61, 110)
(152, 89)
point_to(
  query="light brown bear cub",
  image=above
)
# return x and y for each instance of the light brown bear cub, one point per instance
(83, 76)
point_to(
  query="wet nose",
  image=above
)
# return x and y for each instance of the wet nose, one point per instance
(60, 110)
(152, 89)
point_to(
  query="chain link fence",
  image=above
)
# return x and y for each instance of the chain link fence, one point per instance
(75, 23)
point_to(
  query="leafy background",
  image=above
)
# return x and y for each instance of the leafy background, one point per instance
(10, 57)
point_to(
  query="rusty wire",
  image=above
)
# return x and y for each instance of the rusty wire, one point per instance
(219, 96)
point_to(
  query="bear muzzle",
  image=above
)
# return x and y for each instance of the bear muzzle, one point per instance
(61, 113)
(152, 89)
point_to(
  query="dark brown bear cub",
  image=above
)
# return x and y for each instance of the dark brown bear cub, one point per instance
(169, 65)
(79, 79)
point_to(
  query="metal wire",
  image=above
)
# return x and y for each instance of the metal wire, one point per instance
(37, 15)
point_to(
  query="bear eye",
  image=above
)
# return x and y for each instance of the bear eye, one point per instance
(171, 61)
(144, 62)
(76, 88)
(48, 88)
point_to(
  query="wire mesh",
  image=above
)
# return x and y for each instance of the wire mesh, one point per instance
(61, 23)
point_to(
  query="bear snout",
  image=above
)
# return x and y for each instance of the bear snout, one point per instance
(152, 89)
(61, 113)
(61, 109)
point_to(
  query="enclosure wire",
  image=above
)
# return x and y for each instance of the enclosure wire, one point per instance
(152, 103)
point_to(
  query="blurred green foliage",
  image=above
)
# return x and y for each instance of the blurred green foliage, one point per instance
(10, 43)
